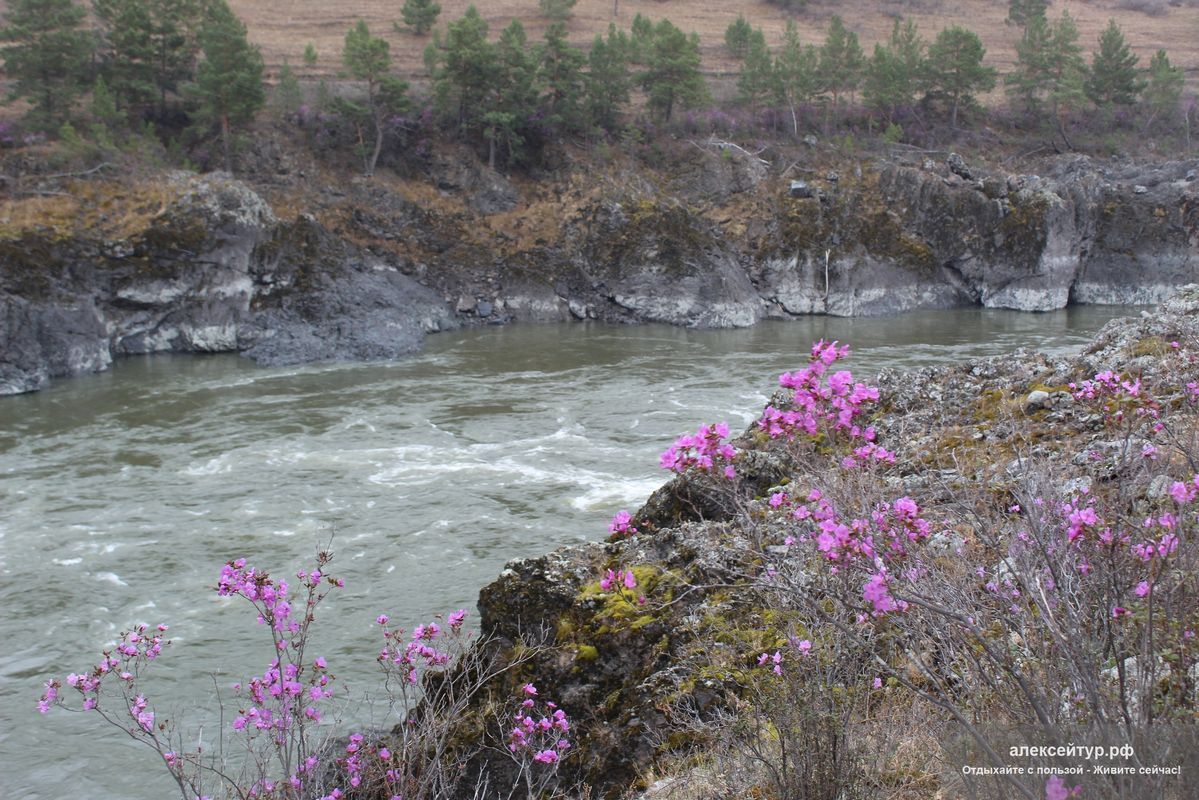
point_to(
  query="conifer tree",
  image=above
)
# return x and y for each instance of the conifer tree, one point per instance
(955, 68)
(641, 40)
(149, 49)
(1021, 12)
(464, 67)
(737, 35)
(558, 10)
(796, 67)
(758, 83)
(1067, 71)
(894, 74)
(1163, 90)
(420, 15)
(562, 77)
(368, 58)
(45, 57)
(288, 95)
(1114, 78)
(1030, 79)
(672, 77)
(310, 56)
(841, 61)
(512, 98)
(607, 78)
(228, 88)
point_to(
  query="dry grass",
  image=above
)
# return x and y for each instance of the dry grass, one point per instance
(283, 27)
(109, 210)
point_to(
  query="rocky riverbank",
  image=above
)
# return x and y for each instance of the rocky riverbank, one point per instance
(658, 680)
(285, 268)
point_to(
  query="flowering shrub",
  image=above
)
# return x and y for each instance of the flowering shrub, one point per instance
(1064, 600)
(622, 524)
(286, 758)
(825, 405)
(706, 451)
(538, 740)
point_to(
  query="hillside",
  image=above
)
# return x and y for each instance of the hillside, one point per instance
(283, 27)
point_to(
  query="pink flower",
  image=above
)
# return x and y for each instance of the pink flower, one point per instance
(1119, 611)
(381, 619)
(878, 683)
(1142, 588)
(456, 618)
(547, 756)
(529, 689)
(630, 581)
(1055, 789)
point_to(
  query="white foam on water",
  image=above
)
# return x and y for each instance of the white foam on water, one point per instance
(66, 562)
(616, 492)
(110, 577)
(284, 532)
(221, 465)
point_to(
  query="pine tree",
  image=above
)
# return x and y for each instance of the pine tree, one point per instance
(228, 88)
(107, 119)
(1021, 12)
(841, 61)
(796, 67)
(46, 57)
(1029, 80)
(562, 77)
(1067, 70)
(150, 49)
(1049, 67)
(1114, 78)
(288, 95)
(607, 78)
(955, 68)
(641, 40)
(1163, 90)
(513, 97)
(310, 56)
(758, 83)
(737, 35)
(464, 69)
(420, 15)
(894, 73)
(368, 58)
(559, 10)
(672, 77)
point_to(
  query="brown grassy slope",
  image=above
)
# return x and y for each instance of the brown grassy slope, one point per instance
(283, 27)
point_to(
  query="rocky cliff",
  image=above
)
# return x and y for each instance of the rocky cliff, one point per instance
(195, 264)
(704, 235)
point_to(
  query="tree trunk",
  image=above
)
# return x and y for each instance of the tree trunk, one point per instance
(374, 158)
(225, 145)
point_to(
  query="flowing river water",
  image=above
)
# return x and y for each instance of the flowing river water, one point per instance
(122, 495)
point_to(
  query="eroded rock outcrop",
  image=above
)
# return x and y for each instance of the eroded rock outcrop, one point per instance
(712, 236)
(199, 265)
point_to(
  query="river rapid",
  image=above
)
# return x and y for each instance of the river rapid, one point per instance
(123, 493)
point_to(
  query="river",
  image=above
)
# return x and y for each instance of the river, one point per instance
(123, 493)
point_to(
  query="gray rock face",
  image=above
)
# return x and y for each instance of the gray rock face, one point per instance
(213, 272)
